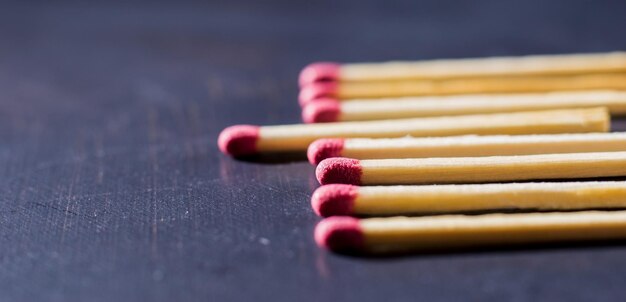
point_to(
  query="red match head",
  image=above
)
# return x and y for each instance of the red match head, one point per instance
(319, 72)
(239, 140)
(304, 102)
(321, 111)
(324, 148)
(315, 91)
(334, 200)
(340, 234)
(339, 170)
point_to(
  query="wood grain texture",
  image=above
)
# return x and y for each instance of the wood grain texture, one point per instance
(112, 187)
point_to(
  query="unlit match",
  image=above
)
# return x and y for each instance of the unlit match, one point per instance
(466, 68)
(339, 199)
(406, 88)
(470, 169)
(464, 146)
(246, 140)
(436, 233)
(330, 110)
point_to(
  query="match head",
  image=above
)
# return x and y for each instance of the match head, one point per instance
(339, 170)
(334, 200)
(318, 90)
(304, 102)
(239, 140)
(319, 72)
(324, 148)
(341, 234)
(321, 111)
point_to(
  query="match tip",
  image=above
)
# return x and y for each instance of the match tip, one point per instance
(339, 170)
(324, 148)
(304, 102)
(239, 140)
(322, 111)
(334, 200)
(315, 91)
(317, 72)
(340, 234)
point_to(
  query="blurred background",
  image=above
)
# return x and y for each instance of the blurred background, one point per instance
(112, 187)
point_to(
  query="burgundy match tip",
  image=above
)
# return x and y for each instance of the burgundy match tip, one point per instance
(322, 111)
(324, 148)
(341, 234)
(304, 102)
(239, 140)
(317, 90)
(334, 200)
(318, 72)
(339, 170)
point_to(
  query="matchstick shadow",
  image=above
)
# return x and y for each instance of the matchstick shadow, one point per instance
(275, 158)
(618, 123)
(610, 178)
(494, 211)
(492, 250)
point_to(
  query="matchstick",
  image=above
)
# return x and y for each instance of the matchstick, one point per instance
(246, 140)
(470, 169)
(464, 146)
(409, 107)
(450, 232)
(312, 92)
(465, 68)
(338, 199)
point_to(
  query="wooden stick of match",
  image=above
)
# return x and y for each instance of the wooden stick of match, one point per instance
(466, 68)
(409, 107)
(436, 233)
(245, 140)
(338, 199)
(404, 88)
(464, 146)
(470, 169)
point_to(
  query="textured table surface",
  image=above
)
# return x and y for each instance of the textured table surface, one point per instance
(112, 187)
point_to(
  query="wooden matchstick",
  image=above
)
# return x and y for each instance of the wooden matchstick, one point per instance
(408, 107)
(405, 88)
(464, 146)
(338, 199)
(246, 140)
(470, 169)
(466, 68)
(450, 232)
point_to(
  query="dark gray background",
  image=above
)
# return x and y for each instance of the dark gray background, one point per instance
(112, 187)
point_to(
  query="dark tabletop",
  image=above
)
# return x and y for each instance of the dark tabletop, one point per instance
(112, 187)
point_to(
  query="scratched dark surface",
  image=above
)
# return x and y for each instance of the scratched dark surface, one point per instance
(112, 187)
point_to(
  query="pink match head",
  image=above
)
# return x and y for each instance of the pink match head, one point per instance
(339, 170)
(326, 111)
(319, 72)
(342, 234)
(316, 91)
(333, 200)
(324, 148)
(239, 140)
